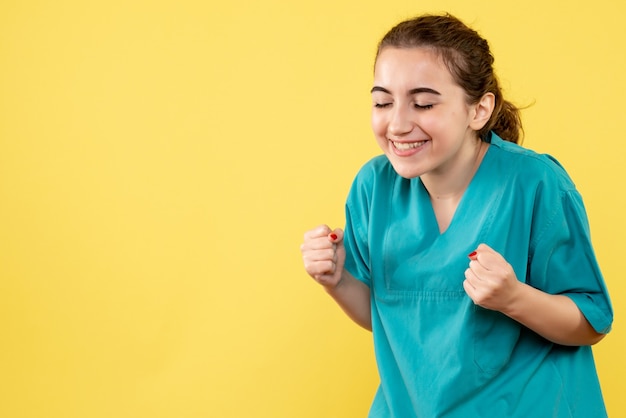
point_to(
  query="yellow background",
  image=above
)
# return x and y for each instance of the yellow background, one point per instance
(160, 161)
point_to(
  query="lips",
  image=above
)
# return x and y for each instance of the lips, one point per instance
(406, 146)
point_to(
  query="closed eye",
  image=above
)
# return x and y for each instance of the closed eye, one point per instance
(381, 105)
(423, 107)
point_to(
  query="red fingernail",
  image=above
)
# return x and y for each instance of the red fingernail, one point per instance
(472, 254)
(333, 236)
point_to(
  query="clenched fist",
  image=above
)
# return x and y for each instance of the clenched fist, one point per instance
(324, 255)
(490, 280)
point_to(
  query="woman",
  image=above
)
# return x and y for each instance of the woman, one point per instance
(468, 256)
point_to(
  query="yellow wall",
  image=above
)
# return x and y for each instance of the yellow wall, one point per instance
(160, 160)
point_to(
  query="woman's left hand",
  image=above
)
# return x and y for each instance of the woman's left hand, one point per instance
(490, 280)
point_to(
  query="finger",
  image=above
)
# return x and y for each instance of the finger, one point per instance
(314, 241)
(485, 256)
(317, 244)
(476, 266)
(471, 276)
(478, 269)
(319, 269)
(317, 232)
(313, 255)
(470, 290)
(336, 236)
(474, 282)
(489, 263)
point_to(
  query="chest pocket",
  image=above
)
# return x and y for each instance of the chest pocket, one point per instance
(495, 338)
(424, 280)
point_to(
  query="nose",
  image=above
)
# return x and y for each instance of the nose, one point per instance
(400, 122)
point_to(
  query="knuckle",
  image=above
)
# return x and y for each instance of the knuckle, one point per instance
(322, 230)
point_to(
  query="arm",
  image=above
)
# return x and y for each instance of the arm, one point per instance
(555, 317)
(491, 283)
(353, 296)
(324, 256)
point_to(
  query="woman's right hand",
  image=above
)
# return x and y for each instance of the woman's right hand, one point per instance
(324, 255)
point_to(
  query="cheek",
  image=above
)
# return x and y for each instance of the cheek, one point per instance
(436, 123)
(379, 125)
(431, 120)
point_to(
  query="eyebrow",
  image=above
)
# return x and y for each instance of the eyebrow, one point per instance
(412, 91)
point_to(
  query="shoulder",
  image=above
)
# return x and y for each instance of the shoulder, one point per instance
(378, 170)
(373, 183)
(378, 165)
(529, 167)
(541, 182)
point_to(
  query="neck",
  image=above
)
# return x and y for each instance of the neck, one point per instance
(450, 181)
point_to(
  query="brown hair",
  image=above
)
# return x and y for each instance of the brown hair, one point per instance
(467, 56)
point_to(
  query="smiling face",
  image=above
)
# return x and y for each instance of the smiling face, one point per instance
(420, 115)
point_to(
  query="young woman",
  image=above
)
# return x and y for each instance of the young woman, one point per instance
(468, 256)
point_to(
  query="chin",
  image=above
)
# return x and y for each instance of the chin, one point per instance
(407, 171)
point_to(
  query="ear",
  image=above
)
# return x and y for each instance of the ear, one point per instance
(482, 111)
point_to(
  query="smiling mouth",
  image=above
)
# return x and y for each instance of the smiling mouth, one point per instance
(405, 146)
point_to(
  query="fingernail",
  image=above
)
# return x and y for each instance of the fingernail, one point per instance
(472, 255)
(333, 236)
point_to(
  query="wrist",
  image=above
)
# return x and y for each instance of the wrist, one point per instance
(515, 303)
(334, 288)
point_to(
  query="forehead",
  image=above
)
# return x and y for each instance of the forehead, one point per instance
(411, 67)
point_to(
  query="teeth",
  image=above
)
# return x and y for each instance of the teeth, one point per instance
(403, 146)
